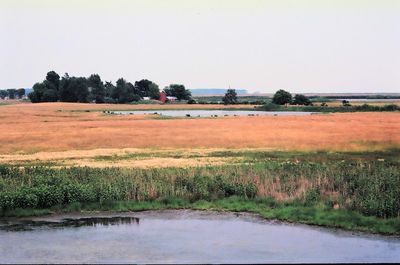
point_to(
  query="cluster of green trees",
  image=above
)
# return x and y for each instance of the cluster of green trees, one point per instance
(282, 97)
(12, 93)
(93, 89)
(178, 91)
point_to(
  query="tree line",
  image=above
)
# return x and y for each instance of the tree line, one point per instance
(281, 97)
(92, 89)
(12, 93)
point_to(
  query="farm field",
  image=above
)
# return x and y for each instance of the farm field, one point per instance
(72, 157)
(55, 127)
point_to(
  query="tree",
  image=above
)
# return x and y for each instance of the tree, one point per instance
(21, 92)
(53, 80)
(46, 91)
(147, 88)
(73, 89)
(65, 89)
(124, 92)
(96, 88)
(282, 97)
(52, 84)
(154, 91)
(37, 94)
(230, 97)
(119, 93)
(300, 99)
(50, 95)
(12, 92)
(82, 90)
(346, 103)
(33, 97)
(3, 94)
(178, 91)
(109, 88)
(131, 92)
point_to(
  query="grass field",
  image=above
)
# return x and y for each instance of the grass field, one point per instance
(31, 128)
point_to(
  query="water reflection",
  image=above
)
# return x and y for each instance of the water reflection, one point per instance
(28, 225)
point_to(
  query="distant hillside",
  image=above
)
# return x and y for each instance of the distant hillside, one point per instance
(214, 91)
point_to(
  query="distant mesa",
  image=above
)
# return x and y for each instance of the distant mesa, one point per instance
(28, 90)
(214, 91)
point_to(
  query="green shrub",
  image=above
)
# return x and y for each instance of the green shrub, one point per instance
(312, 196)
(71, 193)
(48, 195)
(371, 187)
(25, 199)
(7, 201)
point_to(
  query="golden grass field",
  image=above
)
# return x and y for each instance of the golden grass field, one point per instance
(66, 132)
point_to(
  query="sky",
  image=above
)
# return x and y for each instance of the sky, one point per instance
(318, 46)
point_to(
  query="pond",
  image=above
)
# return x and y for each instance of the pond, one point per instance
(212, 113)
(183, 236)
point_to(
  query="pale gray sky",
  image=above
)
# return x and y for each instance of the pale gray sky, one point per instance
(298, 45)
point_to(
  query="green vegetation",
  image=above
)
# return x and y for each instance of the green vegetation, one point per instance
(357, 192)
(282, 97)
(12, 93)
(325, 108)
(300, 99)
(321, 99)
(93, 89)
(230, 97)
(178, 91)
(391, 156)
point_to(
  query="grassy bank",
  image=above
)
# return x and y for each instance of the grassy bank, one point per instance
(358, 192)
(268, 208)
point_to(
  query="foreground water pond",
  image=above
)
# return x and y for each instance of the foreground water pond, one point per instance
(212, 113)
(183, 236)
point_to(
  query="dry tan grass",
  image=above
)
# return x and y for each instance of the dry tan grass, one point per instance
(127, 157)
(154, 162)
(30, 128)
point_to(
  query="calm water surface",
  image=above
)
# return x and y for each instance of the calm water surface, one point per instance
(210, 113)
(184, 236)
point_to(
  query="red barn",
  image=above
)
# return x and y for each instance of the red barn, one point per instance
(163, 96)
